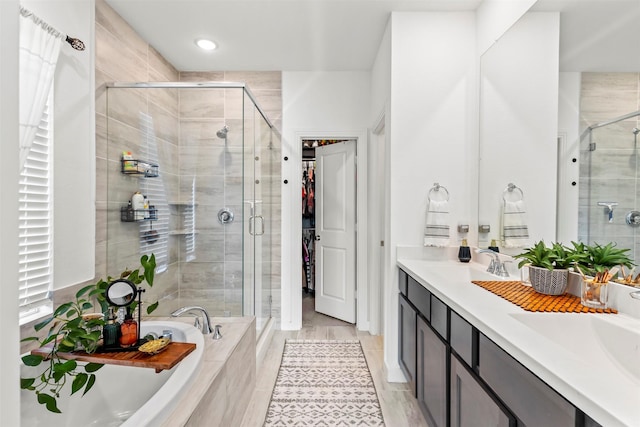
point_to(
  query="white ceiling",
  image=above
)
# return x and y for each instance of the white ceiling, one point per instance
(333, 35)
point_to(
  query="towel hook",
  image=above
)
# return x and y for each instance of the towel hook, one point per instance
(511, 187)
(435, 189)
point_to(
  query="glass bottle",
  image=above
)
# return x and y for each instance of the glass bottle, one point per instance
(111, 330)
(128, 331)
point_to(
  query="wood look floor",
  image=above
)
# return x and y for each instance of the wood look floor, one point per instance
(399, 407)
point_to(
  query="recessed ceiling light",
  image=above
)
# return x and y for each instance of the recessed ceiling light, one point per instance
(206, 44)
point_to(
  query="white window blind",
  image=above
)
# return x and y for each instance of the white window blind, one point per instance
(35, 224)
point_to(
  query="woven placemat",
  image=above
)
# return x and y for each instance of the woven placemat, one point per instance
(527, 298)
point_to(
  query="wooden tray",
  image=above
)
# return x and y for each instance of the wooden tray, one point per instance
(166, 359)
(527, 298)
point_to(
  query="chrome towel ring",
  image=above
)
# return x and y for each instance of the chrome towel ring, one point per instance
(512, 191)
(435, 190)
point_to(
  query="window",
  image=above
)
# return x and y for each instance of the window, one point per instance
(35, 223)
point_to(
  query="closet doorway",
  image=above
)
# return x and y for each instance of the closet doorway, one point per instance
(329, 225)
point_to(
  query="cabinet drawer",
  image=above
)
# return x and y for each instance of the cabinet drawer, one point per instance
(532, 401)
(471, 404)
(402, 282)
(439, 316)
(419, 296)
(462, 338)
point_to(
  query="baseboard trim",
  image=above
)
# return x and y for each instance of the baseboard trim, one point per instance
(393, 373)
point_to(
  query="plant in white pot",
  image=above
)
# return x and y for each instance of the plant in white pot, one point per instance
(548, 267)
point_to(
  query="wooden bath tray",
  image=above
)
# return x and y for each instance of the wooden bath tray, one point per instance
(166, 359)
(527, 298)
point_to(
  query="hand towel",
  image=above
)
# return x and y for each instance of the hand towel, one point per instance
(436, 230)
(515, 232)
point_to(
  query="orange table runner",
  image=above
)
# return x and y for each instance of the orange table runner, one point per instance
(527, 298)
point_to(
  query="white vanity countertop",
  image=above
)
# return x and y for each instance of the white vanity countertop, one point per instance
(593, 360)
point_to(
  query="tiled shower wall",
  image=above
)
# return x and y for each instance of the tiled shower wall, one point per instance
(610, 173)
(185, 124)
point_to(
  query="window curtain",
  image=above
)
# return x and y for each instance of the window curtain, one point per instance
(39, 49)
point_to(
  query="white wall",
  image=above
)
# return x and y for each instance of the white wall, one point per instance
(495, 17)
(568, 170)
(10, 349)
(320, 104)
(519, 122)
(74, 142)
(433, 130)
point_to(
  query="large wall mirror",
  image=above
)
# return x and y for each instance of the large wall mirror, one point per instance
(521, 136)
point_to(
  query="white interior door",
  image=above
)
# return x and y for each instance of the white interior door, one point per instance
(335, 194)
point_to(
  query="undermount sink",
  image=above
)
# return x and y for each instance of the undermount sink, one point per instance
(608, 342)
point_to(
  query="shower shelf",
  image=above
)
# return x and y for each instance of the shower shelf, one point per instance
(182, 203)
(183, 232)
(139, 215)
(139, 168)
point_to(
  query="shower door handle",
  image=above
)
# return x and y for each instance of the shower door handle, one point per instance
(261, 224)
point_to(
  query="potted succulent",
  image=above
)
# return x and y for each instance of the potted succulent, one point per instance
(548, 266)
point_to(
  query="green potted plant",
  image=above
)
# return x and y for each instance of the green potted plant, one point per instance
(597, 258)
(601, 262)
(73, 326)
(548, 266)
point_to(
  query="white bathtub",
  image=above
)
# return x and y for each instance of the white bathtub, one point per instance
(122, 396)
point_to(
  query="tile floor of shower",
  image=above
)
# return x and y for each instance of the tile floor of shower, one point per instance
(399, 407)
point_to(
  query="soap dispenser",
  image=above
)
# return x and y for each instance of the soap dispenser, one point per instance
(493, 246)
(128, 331)
(111, 330)
(464, 253)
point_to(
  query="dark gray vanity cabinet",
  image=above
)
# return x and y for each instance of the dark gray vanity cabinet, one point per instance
(471, 404)
(407, 340)
(531, 400)
(431, 372)
(462, 378)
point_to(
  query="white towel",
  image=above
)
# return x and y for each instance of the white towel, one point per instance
(436, 230)
(515, 232)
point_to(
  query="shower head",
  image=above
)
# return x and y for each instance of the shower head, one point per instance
(635, 131)
(222, 133)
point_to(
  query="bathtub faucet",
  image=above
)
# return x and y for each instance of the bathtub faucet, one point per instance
(206, 325)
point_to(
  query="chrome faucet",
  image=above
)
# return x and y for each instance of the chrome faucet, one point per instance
(206, 324)
(494, 265)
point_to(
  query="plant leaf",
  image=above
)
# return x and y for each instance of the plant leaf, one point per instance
(90, 383)
(32, 360)
(65, 367)
(92, 367)
(84, 290)
(42, 324)
(49, 402)
(78, 382)
(86, 306)
(29, 339)
(152, 307)
(27, 383)
(149, 264)
(62, 309)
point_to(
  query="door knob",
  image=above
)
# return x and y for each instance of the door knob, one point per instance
(317, 237)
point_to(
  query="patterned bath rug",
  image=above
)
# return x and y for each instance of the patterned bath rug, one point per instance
(324, 383)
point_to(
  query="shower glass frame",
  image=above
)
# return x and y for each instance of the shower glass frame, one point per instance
(225, 268)
(610, 173)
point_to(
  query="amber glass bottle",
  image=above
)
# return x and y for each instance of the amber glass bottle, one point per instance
(128, 331)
